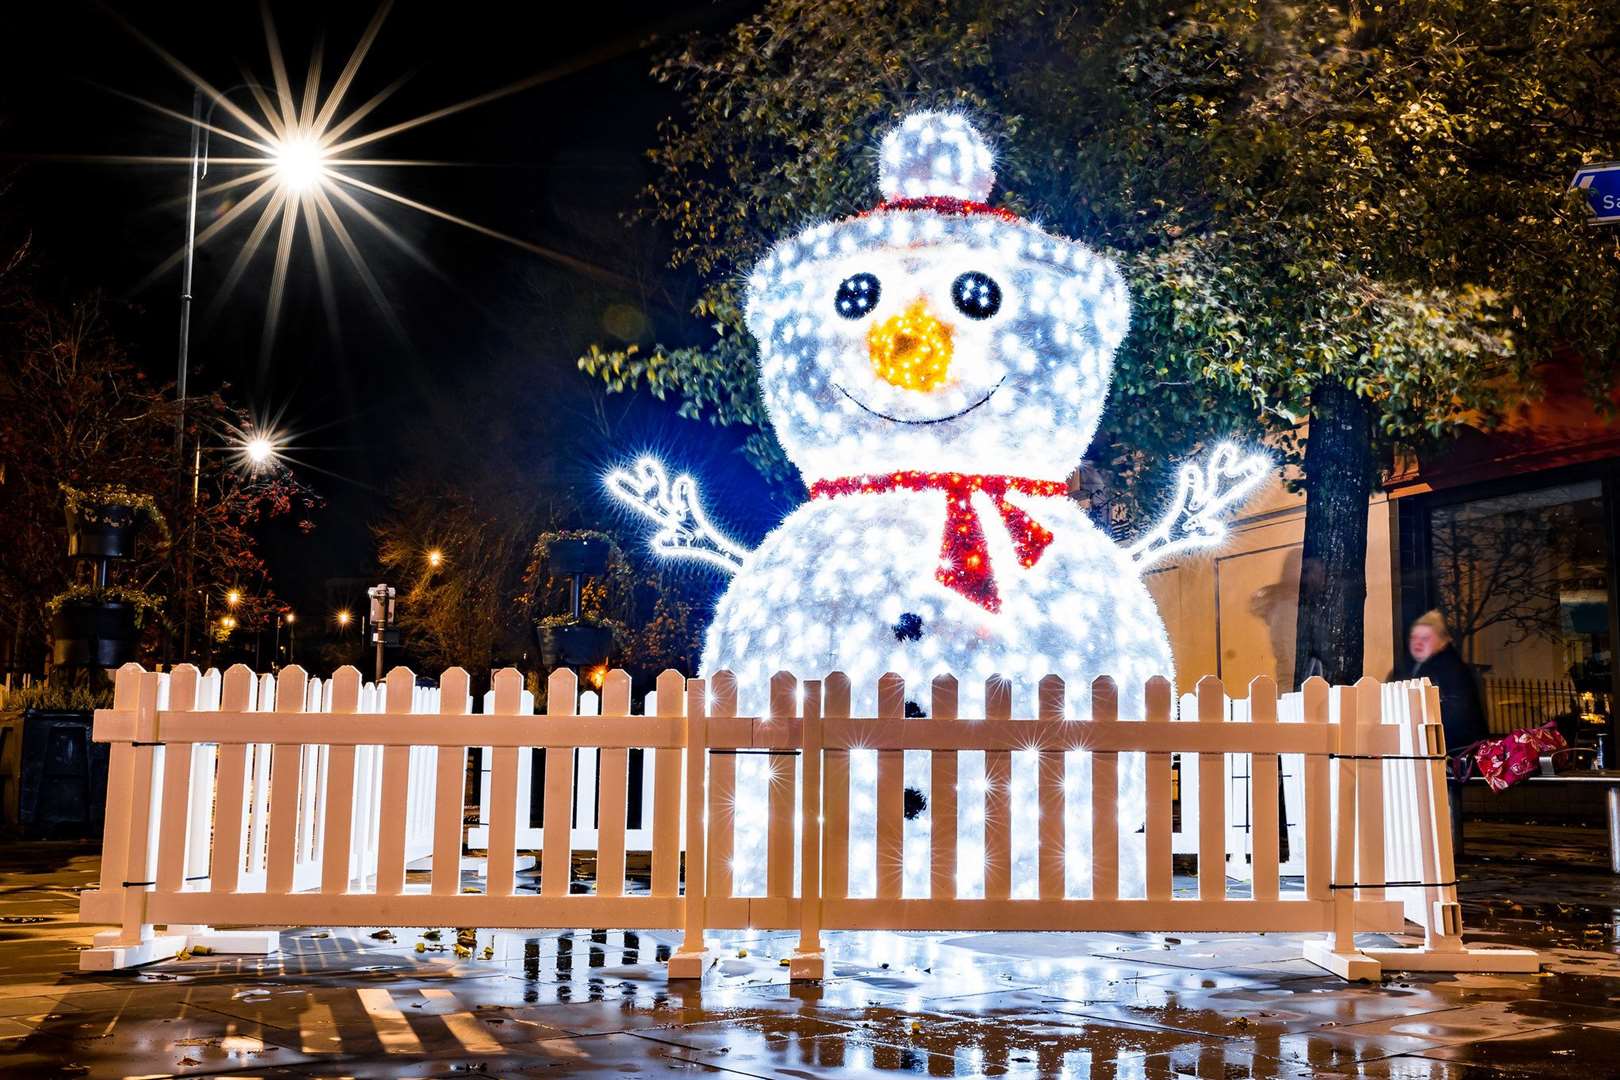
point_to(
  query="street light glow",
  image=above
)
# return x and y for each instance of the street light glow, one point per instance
(228, 622)
(435, 558)
(233, 597)
(300, 162)
(291, 617)
(259, 450)
(343, 617)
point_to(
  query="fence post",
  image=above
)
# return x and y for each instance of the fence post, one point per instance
(807, 963)
(1338, 953)
(688, 963)
(129, 866)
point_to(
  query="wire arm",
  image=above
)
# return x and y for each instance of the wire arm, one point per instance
(1205, 494)
(684, 530)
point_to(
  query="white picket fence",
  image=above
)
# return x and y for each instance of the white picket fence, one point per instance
(283, 801)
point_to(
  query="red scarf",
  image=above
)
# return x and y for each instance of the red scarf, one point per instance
(964, 557)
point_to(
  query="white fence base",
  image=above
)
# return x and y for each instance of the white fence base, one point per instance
(111, 953)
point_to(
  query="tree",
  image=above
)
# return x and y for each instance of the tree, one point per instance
(75, 411)
(460, 612)
(1343, 224)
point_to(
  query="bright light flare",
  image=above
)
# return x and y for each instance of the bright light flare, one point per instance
(435, 558)
(233, 597)
(300, 162)
(259, 450)
(343, 617)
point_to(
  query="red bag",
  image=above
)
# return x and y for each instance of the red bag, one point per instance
(1505, 761)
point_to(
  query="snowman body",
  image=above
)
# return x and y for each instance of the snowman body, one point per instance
(935, 368)
(848, 584)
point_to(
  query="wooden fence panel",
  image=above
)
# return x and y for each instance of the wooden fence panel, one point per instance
(286, 772)
(612, 792)
(556, 851)
(501, 878)
(889, 851)
(1158, 863)
(1104, 795)
(942, 792)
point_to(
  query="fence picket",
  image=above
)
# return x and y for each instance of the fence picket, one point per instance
(501, 878)
(997, 797)
(338, 836)
(1159, 858)
(230, 813)
(449, 788)
(1369, 790)
(285, 773)
(666, 854)
(399, 696)
(891, 794)
(779, 834)
(942, 801)
(1211, 797)
(1050, 774)
(722, 837)
(177, 815)
(1104, 796)
(1263, 850)
(556, 846)
(612, 792)
(1318, 808)
(835, 786)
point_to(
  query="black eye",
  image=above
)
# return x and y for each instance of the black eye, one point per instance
(976, 295)
(857, 295)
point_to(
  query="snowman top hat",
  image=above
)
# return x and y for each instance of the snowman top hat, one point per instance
(937, 161)
(935, 171)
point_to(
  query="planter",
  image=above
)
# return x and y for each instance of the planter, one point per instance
(574, 646)
(101, 531)
(62, 782)
(587, 558)
(94, 633)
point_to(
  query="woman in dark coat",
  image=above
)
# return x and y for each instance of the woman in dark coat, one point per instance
(1435, 658)
(1462, 713)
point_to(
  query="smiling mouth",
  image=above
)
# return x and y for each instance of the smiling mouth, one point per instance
(931, 420)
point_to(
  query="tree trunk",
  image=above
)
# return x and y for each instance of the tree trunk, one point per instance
(1339, 470)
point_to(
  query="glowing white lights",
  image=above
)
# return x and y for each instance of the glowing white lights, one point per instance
(1202, 497)
(684, 530)
(300, 161)
(259, 451)
(935, 154)
(937, 447)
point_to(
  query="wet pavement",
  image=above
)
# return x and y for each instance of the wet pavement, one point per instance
(346, 1003)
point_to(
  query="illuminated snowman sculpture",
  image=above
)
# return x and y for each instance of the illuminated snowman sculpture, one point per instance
(935, 368)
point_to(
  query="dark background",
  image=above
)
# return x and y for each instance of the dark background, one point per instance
(489, 335)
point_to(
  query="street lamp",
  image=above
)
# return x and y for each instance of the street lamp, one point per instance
(435, 558)
(234, 597)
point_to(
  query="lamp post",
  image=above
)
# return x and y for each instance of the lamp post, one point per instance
(298, 161)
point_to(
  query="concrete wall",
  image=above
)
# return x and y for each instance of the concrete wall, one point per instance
(1231, 612)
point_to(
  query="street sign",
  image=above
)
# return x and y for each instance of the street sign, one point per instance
(1601, 184)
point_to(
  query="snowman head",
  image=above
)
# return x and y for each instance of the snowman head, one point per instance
(934, 332)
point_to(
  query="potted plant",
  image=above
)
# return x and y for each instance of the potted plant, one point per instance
(580, 552)
(97, 625)
(53, 777)
(576, 643)
(102, 521)
(583, 636)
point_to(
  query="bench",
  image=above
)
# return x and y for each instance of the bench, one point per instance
(1607, 778)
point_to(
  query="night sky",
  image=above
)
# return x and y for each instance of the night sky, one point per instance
(556, 164)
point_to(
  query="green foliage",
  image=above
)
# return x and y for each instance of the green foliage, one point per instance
(144, 603)
(54, 696)
(84, 502)
(1371, 196)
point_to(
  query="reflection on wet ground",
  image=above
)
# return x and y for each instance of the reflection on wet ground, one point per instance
(343, 1003)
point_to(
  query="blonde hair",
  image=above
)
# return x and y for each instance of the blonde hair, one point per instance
(1434, 621)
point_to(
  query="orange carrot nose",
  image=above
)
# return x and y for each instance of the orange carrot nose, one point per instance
(911, 350)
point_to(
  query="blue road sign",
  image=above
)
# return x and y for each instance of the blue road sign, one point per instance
(1601, 185)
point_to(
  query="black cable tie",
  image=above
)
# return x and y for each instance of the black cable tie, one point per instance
(1397, 885)
(137, 884)
(741, 751)
(199, 877)
(1389, 757)
(139, 743)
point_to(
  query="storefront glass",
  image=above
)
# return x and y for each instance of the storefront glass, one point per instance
(1523, 579)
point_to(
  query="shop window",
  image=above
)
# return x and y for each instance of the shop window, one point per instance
(1523, 581)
